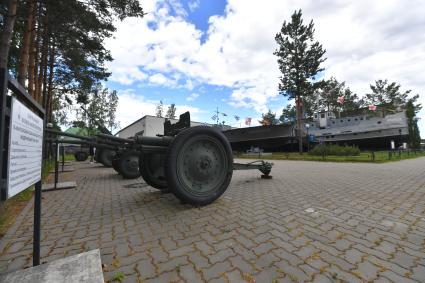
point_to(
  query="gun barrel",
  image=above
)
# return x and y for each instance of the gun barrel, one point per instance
(82, 142)
(155, 141)
(114, 138)
(63, 134)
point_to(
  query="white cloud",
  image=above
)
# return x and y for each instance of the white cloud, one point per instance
(365, 41)
(127, 76)
(192, 97)
(193, 5)
(160, 79)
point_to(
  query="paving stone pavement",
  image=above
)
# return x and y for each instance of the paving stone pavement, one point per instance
(313, 222)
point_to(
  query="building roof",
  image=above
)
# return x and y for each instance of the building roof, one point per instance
(152, 117)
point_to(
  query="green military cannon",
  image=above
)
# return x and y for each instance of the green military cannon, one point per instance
(194, 163)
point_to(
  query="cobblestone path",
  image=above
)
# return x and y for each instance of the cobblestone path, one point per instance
(313, 222)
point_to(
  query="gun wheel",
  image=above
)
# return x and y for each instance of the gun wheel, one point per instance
(199, 165)
(151, 168)
(105, 156)
(81, 156)
(128, 164)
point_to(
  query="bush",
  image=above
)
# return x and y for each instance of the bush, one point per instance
(334, 149)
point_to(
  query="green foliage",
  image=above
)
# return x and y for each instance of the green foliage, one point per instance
(268, 119)
(299, 57)
(159, 109)
(365, 156)
(100, 106)
(329, 93)
(386, 95)
(414, 138)
(119, 276)
(289, 114)
(171, 111)
(72, 34)
(333, 149)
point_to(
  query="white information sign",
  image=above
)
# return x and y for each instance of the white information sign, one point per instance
(25, 149)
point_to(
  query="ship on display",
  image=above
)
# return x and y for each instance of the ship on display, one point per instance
(368, 130)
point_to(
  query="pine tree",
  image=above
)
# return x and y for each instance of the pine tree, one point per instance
(171, 111)
(98, 110)
(59, 45)
(111, 110)
(414, 138)
(160, 109)
(386, 95)
(7, 30)
(299, 59)
(329, 93)
(289, 115)
(268, 119)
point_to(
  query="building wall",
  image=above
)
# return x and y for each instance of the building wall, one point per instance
(132, 129)
(151, 126)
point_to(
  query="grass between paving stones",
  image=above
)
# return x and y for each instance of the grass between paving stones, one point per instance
(119, 276)
(365, 156)
(11, 208)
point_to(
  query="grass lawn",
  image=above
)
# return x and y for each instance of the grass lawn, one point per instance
(366, 156)
(68, 157)
(11, 208)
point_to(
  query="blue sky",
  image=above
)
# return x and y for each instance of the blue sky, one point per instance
(204, 54)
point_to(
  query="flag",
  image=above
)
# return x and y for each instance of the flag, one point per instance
(237, 118)
(340, 99)
(248, 121)
(372, 107)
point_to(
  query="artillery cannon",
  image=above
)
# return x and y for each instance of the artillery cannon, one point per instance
(122, 155)
(194, 163)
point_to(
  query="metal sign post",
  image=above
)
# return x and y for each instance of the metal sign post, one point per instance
(56, 164)
(21, 147)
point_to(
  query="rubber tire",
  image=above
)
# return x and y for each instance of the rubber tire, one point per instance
(106, 156)
(173, 154)
(122, 162)
(146, 172)
(81, 156)
(115, 162)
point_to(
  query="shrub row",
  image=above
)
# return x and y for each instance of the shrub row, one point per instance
(334, 149)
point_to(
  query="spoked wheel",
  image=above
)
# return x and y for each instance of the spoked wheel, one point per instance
(128, 164)
(105, 156)
(151, 166)
(199, 165)
(81, 156)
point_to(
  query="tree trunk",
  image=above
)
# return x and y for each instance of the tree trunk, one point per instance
(32, 56)
(299, 132)
(40, 69)
(50, 82)
(43, 70)
(25, 48)
(37, 64)
(6, 34)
